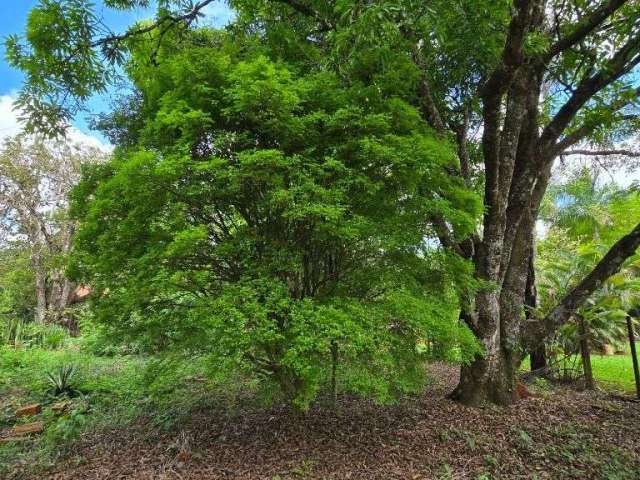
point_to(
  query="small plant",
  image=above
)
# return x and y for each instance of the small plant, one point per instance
(446, 472)
(490, 461)
(304, 469)
(12, 331)
(66, 429)
(61, 380)
(541, 384)
(483, 476)
(523, 439)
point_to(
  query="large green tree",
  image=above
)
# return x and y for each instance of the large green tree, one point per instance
(276, 219)
(533, 77)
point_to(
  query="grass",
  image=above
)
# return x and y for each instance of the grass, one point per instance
(108, 392)
(612, 372)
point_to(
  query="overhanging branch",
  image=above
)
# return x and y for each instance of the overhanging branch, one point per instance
(609, 265)
(186, 17)
(602, 153)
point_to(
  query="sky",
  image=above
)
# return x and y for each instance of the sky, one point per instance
(13, 18)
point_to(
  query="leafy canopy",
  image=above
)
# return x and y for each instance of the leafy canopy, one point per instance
(277, 219)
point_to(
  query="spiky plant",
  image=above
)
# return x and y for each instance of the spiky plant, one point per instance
(61, 380)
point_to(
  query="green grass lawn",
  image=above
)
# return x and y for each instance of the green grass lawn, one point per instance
(612, 372)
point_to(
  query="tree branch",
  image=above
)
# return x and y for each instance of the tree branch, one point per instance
(623, 61)
(602, 153)
(513, 53)
(587, 128)
(307, 11)
(190, 15)
(609, 265)
(584, 28)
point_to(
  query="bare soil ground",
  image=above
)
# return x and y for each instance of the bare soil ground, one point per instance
(562, 434)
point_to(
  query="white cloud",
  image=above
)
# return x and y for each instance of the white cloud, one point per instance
(8, 121)
(218, 14)
(10, 125)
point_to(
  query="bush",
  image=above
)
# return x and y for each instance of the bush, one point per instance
(279, 224)
(19, 333)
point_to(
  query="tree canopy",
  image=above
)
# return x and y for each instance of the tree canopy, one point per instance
(277, 219)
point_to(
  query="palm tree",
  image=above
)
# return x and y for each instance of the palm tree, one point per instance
(582, 216)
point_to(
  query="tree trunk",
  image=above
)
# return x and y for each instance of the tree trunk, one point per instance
(585, 353)
(334, 373)
(634, 355)
(493, 378)
(538, 359)
(41, 289)
(488, 379)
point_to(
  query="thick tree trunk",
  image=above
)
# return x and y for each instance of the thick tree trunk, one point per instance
(518, 156)
(585, 353)
(488, 379)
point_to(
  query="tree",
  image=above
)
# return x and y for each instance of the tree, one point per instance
(273, 218)
(35, 179)
(538, 77)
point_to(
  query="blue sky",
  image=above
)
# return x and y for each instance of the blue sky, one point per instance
(13, 17)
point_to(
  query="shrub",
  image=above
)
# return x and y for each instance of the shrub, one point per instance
(279, 223)
(61, 380)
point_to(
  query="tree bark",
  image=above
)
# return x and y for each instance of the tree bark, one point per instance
(585, 353)
(488, 379)
(41, 288)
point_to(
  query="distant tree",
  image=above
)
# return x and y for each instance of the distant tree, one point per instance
(35, 180)
(17, 292)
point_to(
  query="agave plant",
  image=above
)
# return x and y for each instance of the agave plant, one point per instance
(61, 380)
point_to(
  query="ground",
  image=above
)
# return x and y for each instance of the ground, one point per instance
(559, 433)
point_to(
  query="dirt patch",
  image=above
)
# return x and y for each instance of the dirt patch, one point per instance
(563, 434)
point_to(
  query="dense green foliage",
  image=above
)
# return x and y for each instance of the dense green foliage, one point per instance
(584, 218)
(17, 295)
(285, 195)
(278, 219)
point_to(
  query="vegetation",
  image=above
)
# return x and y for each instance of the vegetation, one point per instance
(307, 211)
(582, 215)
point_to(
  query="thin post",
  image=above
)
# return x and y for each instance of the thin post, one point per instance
(634, 355)
(334, 372)
(585, 352)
